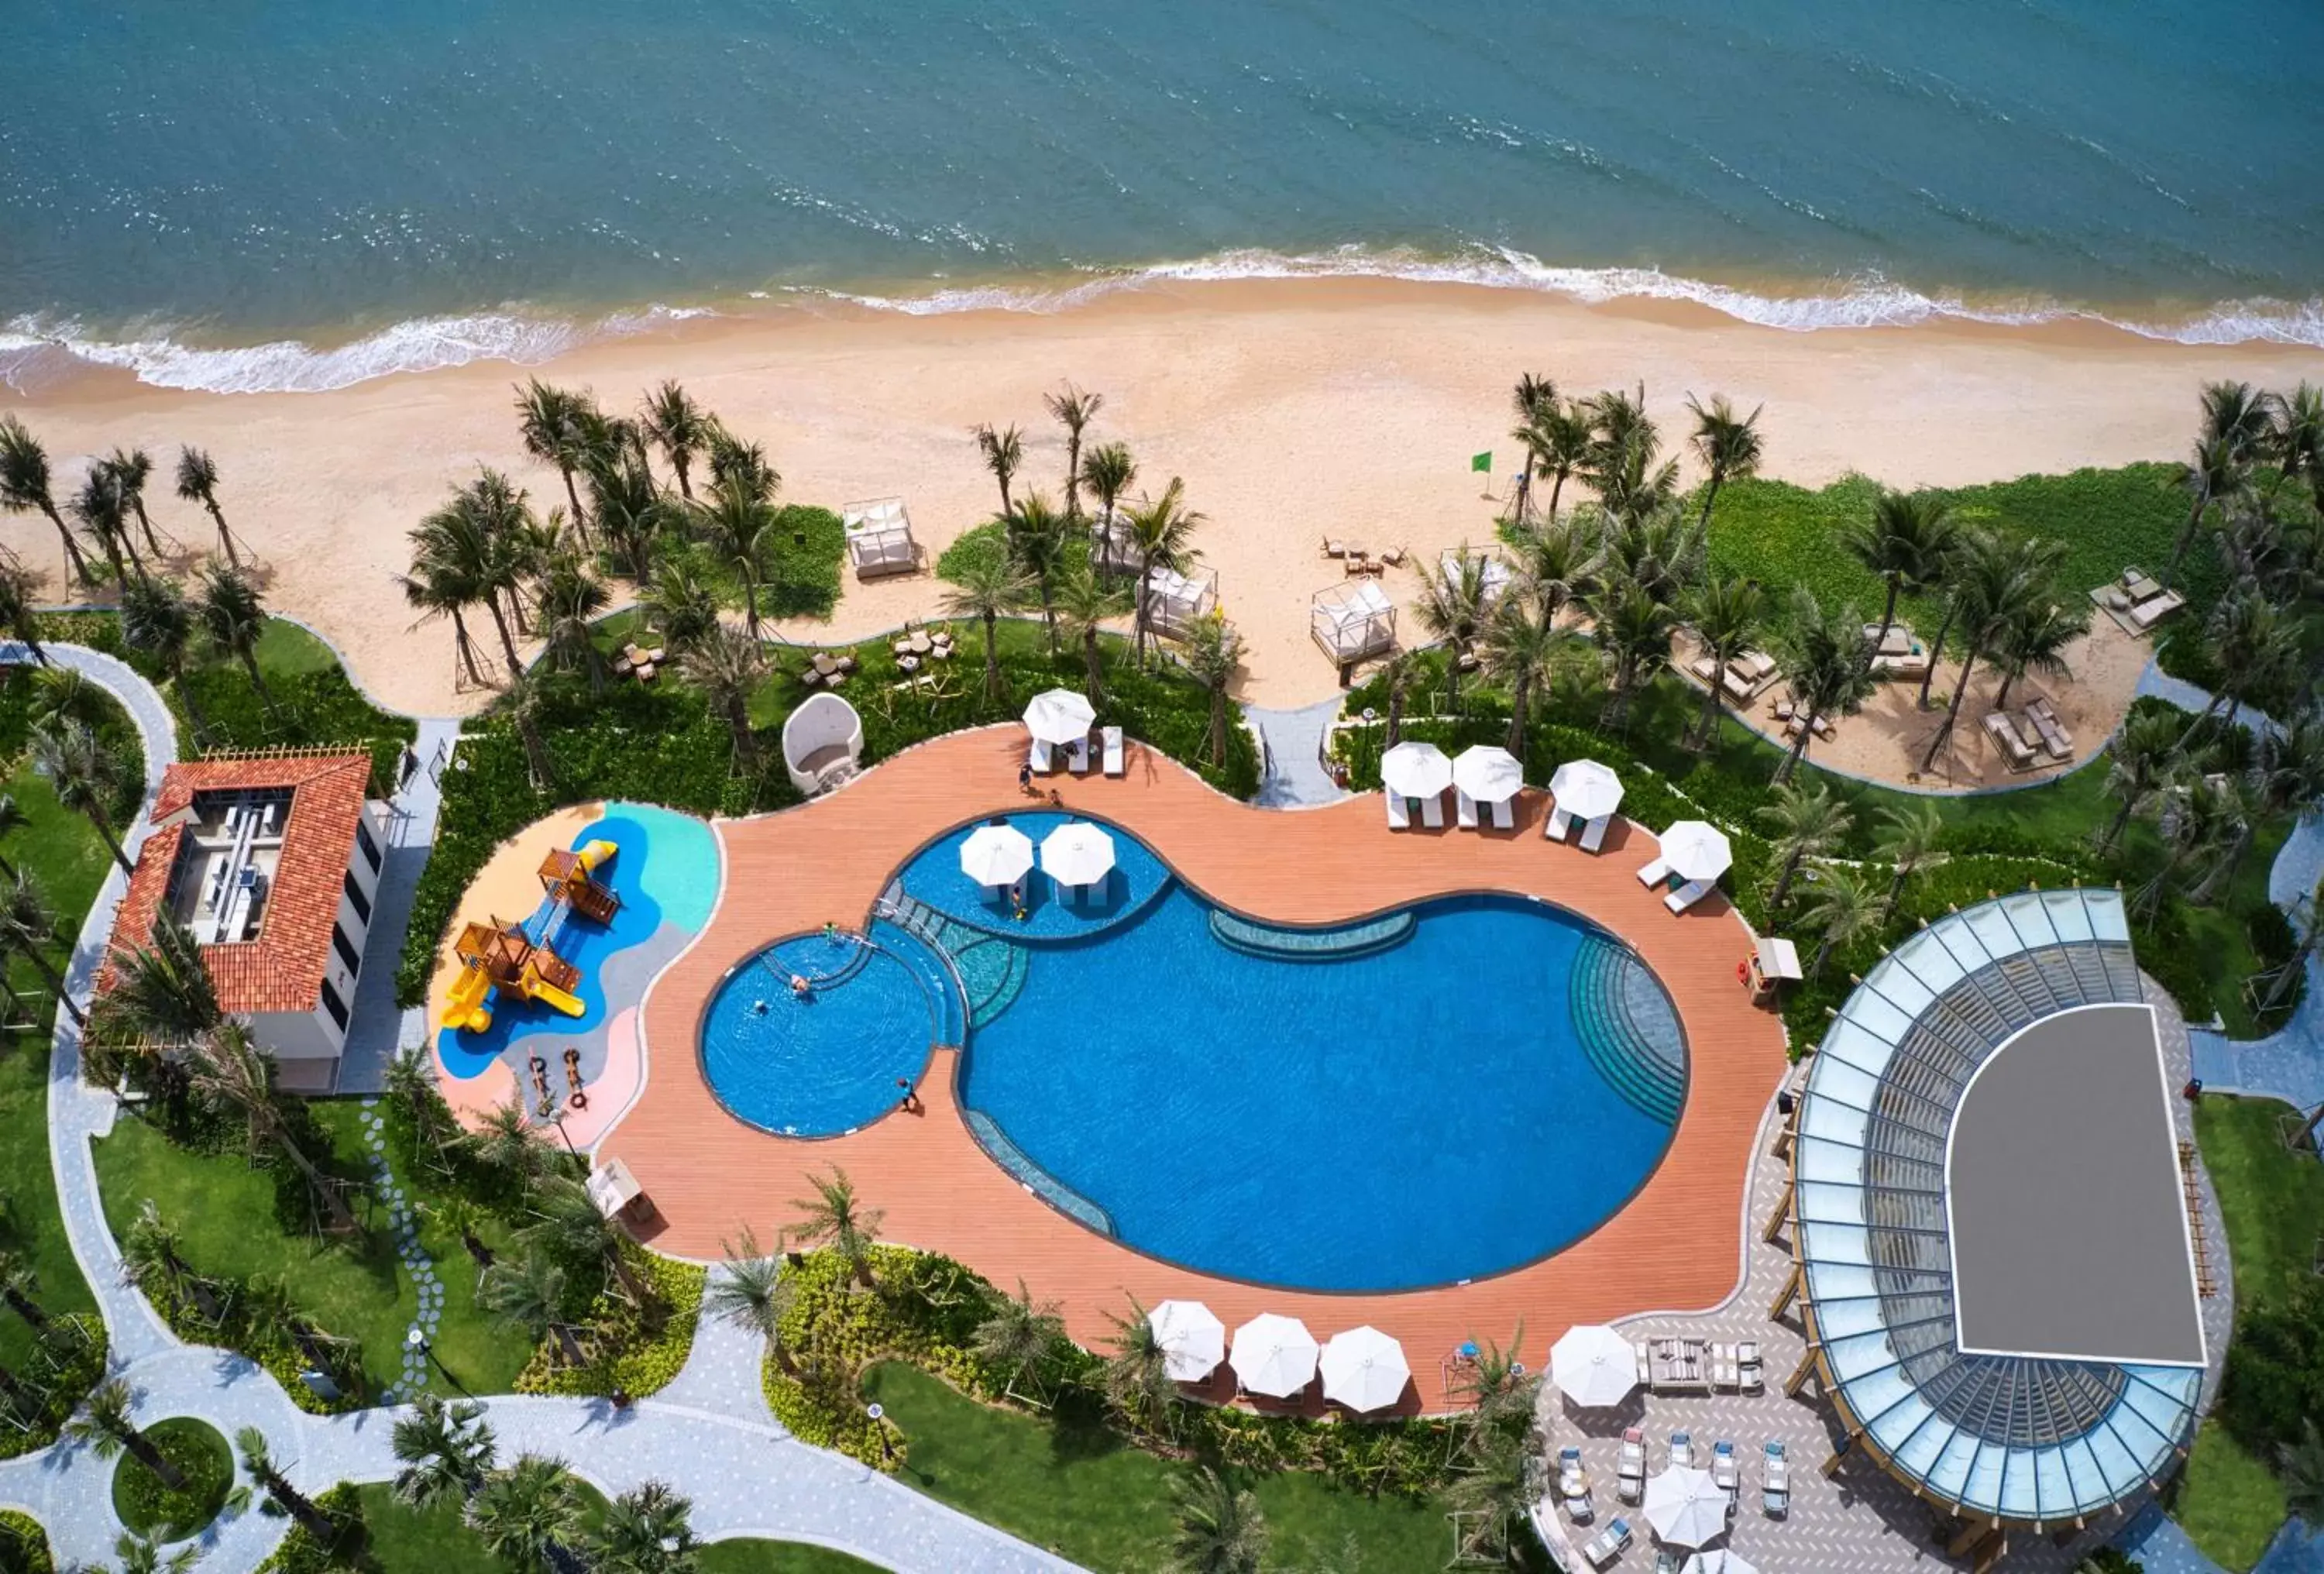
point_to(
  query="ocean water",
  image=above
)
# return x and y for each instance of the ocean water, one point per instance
(407, 182)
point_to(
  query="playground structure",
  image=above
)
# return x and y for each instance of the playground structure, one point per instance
(522, 960)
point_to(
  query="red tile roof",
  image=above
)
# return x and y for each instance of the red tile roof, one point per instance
(282, 969)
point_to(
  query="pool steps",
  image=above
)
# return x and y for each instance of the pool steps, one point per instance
(1628, 1029)
(934, 974)
(1033, 1177)
(987, 971)
(1253, 938)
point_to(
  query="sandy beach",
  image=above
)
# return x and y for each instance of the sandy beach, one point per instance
(1292, 408)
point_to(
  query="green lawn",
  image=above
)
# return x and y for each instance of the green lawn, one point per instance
(2228, 1503)
(2273, 1201)
(286, 649)
(1104, 1503)
(227, 1213)
(407, 1541)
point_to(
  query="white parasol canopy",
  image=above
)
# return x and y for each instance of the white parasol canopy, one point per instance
(996, 855)
(1058, 715)
(1077, 853)
(1586, 789)
(1487, 773)
(1696, 851)
(1721, 1561)
(1416, 770)
(1686, 1506)
(1593, 1366)
(1364, 1369)
(1193, 1341)
(1274, 1355)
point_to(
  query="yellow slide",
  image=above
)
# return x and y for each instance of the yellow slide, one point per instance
(549, 995)
(466, 1008)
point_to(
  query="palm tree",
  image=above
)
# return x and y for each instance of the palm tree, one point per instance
(1909, 841)
(2286, 779)
(1494, 1497)
(1499, 1389)
(2301, 1463)
(149, 1253)
(1138, 1368)
(507, 1141)
(1633, 631)
(1728, 614)
(1087, 602)
(2035, 640)
(163, 991)
(1841, 908)
(446, 1450)
(2299, 433)
(103, 1426)
(1560, 446)
(1107, 470)
(1036, 534)
(227, 1071)
(142, 1555)
(752, 1293)
(2139, 760)
(2254, 646)
(629, 514)
(1213, 655)
(527, 1291)
(2216, 474)
(1998, 583)
(1073, 410)
(12, 819)
(649, 1531)
(1004, 452)
(20, 617)
(529, 1514)
(445, 581)
(742, 465)
(129, 471)
(834, 1216)
(984, 587)
(571, 600)
(67, 694)
(197, 480)
(1220, 1529)
(1728, 446)
(1450, 605)
(523, 697)
(1017, 1336)
(567, 1224)
(24, 488)
(1556, 562)
(18, 1280)
(679, 428)
(2235, 414)
(86, 778)
(1520, 645)
(680, 605)
(725, 665)
(97, 508)
(1906, 540)
(738, 525)
(551, 419)
(258, 1459)
(1803, 822)
(233, 616)
(157, 619)
(1162, 533)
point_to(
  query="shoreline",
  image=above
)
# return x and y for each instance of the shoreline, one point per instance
(1292, 409)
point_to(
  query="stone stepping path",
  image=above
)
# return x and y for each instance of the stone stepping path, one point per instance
(403, 1226)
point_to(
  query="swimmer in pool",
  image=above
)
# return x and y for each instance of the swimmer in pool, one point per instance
(800, 988)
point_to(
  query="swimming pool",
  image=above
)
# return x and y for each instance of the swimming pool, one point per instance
(1433, 1094)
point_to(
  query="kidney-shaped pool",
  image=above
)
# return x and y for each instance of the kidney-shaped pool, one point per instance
(1433, 1094)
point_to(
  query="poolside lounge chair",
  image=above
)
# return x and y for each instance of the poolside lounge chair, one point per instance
(1631, 1477)
(1775, 1482)
(1749, 1376)
(1682, 1452)
(1723, 1472)
(2149, 613)
(1113, 766)
(1593, 834)
(1505, 814)
(1558, 823)
(1608, 1543)
(2045, 721)
(1465, 810)
(1041, 758)
(1399, 813)
(1432, 811)
(1738, 688)
(1687, 895)
(1077, 756)
(1653, 874)
(1574, 1486)
(2004, 731)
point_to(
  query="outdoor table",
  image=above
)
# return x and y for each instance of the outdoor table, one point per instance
(919, 645)
(824, 664)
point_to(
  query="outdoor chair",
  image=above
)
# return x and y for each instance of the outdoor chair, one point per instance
(1505, 816)
(1464, 811)
(1399, 813)
(1593, 834)
(1723, 1472)
(1113, 766)
(1077, 757)
(1748, 1379)
(1558, 824)
(1608, 1543)
(1775, 1482)
(1631, 1476)
(1681, 1451)
(1432, 811)
(1655, 872)
(1040, 757)
(1687, 895)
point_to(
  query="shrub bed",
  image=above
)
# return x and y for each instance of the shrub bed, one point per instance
(170, 1513)
(24, 1544)
(69, 1359)
(633, 1350)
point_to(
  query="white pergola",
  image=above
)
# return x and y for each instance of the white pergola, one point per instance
(879, 537)
(1354, 622)
(1176, 600)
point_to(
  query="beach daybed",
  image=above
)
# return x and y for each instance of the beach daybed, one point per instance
(1352, 622)
(2054, 736)
(1113, 766)
(879, 536)
(2015, 749)
(1175, 602)
(2149, 613)
(1608, 1543)
(2136, 602)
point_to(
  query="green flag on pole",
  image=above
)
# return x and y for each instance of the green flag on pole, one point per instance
(1482, 462)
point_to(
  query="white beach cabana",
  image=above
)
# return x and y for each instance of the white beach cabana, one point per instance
(879, 538)
(1077, 855)
(1493, 575)
(996, 857)
(1274, 1355)
(823, 741)
(1414, 769)
(1111, 546)
(1686, 1506)
(1593, 1366)
(1194, 1340)
(1353, 623)
(1176, 601)
(1487, 773)
(1364, 1369)
(1583, 792)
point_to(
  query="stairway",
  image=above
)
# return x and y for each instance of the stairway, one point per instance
(985, 971)
(1628, 1029)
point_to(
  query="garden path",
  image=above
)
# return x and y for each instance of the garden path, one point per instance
(1292, 746)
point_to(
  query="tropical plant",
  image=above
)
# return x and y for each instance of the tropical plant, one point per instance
(1087, 602)
(158, 620)
(529, 1515)
(226, 1071)
(103, 1426)
(2241, 418)
(523, 698)
(649, 1531)
(1728, 444)
(1803, 822)
(1727, 615)
(2214, 474)
(507, 1140)
(198, 480)
(28, 926)
(752, 1293)
(567, 1223)
(1909, 841)
(1004, 453)
(446, 1451)
(1559, 444)
(550, 420)
(526, 1292)
(1162, 534)
(128, 472)
(234, 615)
(2255, 647)
(1219, 1527)
(738, 525)
(1136, 1375)
(1632, 629)
(446, 580)
(87, 779)
(24, 488)
(1556, 562)
(2301, 1464)
(97, 508)
(1499, 1391)
(1108, 470)
(725, 665)
(680, 605)
(1998, 583)
(163, 991)
(1907, 539)
(679, 428)
(142, 1555)
(1493, 1497)
(1038, 536)
(2139, 763)
(834, 1217)
(1073, 410)
(2034, 641)
(20, 615)
(1520, 646)
(985, 588)
(1450, 605)
(1215, 650)
(12, 819)
(1842, 907)
(19, 1279)
(1017, 1336)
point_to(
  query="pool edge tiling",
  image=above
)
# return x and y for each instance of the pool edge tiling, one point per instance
(1677, 1243)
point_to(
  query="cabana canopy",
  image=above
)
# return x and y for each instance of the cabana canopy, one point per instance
(1586, 789)
(1492, 574)
(1059, 715)
(879, 537)
(1077, 853)
(1354, 622)
(1487, 773)
(1697, 850)
(1414, 769)
(1112, 545)
(1364, 1369)
(996, 855)
(1593, 1366)
(1176, 599)
(1274, 1355)
(1194, 1340)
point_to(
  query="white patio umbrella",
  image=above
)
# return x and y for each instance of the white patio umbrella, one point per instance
(1586, 789)
(1193, 1341)
(1364, 1369)
(996, 855)
(1686, 1506)
(1696, 851)
(1721, 1561)
(1058, 715)
(1487, 773)
(1274, 1355)
(1593, 1366)
(1416, 770)
(1077, 853)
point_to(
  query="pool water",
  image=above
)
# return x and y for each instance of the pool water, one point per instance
(823, 1062)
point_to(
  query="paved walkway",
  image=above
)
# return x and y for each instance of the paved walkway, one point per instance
(378, 1029)
(1292, 743)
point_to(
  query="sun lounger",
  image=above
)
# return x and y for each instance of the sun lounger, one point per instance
(1682, 1452)
(1464, 809)
(1399, 813)
(1077, 757)
(1558, 824)
(1653, 874)
(2056, 742)
(1748, 1378)
(1593, 834)
(2138, 587)
(2045, 718)
(1782, 711)
(1113, 766)
(1703, 667)
(1334, 548)
(1432, 811)
(1574, 1486)
(1608, 1543)
(1505, 814)
(1756, 665)
(1738, 688)
(1723, 1472)
(2004, 733)
(1775, 1482)
(1823, 727)
(2147, 613)
(1687, 895)
(1631, 1475)
(1041, 758)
